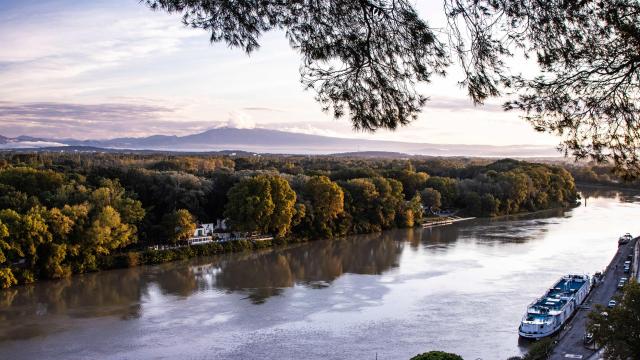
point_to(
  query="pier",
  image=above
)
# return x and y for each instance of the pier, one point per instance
(444, 220)
(570, 343)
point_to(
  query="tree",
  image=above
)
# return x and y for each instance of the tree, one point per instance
(327, 197)
(179, 225)
(250, 205)
(431, 199)
(324, 203)
(437, 355)
(27, 232)
(360, 197)
(411, 212)
(261, 203)
(447, 187)
(107, 232)
(7, 279)
(618, 329)
(588, 90)
(361, 57)
(284, 201)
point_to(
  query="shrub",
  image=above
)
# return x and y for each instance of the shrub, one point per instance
(437, 355)
(7, 279)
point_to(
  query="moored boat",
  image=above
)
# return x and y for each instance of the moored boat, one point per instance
(546, 315)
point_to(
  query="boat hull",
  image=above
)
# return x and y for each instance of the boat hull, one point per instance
(538, 336)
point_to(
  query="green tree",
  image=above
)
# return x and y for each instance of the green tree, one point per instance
(107, 232)
(447, 187)
(431, 199)
(179, 225)
(28, 232)
(323, 202)
(262, 203)
(437, 355)
(326, 196)
(4, 245)
(411, 212)
(250, 205)
(618, 329)
(284, 200)
(7, 279)
(489, 205)
(360, 198)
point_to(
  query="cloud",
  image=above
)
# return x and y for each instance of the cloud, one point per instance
(240, 120)
(460, 104)
(83, 121)
(29, 144)
(88, 39)
(259, 108)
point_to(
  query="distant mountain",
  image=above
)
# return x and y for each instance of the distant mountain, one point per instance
(274, 141)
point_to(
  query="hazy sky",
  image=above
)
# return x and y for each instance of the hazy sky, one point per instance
(111, 68)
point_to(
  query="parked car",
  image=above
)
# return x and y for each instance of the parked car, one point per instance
(612, 303)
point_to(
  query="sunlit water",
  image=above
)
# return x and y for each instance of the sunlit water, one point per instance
(461, 288)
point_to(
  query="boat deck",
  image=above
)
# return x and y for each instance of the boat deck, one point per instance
(556, 297)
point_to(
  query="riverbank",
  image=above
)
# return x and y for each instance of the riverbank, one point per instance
(155, 257)
(147, 256)
(613, 187)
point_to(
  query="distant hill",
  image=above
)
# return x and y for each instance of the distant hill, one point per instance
(281, 142)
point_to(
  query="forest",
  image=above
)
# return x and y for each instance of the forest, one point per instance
(66, 213)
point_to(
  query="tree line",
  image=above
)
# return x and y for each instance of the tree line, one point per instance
(65, 213)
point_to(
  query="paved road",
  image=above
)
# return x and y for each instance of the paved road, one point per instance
(570, 344)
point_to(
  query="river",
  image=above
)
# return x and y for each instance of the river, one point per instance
(461, 288)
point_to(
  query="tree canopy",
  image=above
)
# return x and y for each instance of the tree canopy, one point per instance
(70, 213)
(587, 89)
(618, 329)
(364, 59)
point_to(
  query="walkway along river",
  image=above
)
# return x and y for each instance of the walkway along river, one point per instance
(461, 288)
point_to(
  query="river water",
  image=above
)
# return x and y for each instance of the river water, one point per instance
(460, 288)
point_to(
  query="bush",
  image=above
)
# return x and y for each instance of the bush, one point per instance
(437, 355)
(540, 350)
(7, 279)
(26, 277)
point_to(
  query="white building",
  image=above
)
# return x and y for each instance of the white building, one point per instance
(201, 235)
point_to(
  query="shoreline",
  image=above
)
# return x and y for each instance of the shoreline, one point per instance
(608, 187)
(142, 257)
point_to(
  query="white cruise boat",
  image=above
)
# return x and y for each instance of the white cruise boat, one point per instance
(546, 315)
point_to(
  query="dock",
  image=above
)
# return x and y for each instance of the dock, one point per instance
(570, 343)
(444, 220)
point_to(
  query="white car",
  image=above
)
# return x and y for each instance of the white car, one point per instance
(612, 303)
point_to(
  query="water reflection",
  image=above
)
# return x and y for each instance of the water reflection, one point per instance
(315, 265)
(25, 311)
(595, 192)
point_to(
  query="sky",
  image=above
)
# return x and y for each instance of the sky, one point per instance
(112, 68)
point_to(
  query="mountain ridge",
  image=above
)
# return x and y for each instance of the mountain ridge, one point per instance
(276, 141)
